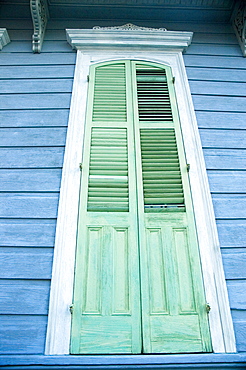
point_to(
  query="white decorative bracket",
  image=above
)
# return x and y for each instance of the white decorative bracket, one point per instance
(4, 37)
(40, 15)
(239, 25)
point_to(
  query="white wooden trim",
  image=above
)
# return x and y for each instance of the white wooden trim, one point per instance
(150, 39)
(59, 322)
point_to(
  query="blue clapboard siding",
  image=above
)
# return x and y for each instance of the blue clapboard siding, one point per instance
(26, 263)
(29, 117)
(27, 233)
(28, 180)
(22, 334)
(26, 297)
(35, 93)
(31, 157)
(208, 119)
(32, 71)
(217, 76)
(36, 86)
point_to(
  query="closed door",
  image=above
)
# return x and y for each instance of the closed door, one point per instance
(138, 281)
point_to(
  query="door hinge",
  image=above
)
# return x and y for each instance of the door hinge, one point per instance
(80, 166)
(88, 78)
(208, 307)
(71, 308)
(173, 80)
(188, 167)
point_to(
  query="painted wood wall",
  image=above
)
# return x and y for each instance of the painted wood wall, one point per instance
(35, 97)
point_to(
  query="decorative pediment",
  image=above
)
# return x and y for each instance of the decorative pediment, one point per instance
(4, 37)
(129, 27)
(40, 15)
(128, 36)
(239, 25)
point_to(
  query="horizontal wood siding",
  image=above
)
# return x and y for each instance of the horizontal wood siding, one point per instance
(217, 74)
(35, 97)
(34, 107)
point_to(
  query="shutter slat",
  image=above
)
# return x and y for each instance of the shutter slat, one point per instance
(108, 171)
(110, 94)
(162, 183)
(153, 95)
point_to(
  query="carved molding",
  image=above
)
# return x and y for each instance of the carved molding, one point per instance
(40, 15)
(239, 25)
(4, 37)
(118, 38)
(129, 27)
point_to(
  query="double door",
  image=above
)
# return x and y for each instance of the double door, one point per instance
(138, 281)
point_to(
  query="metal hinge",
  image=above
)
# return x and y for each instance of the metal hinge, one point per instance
(88, 78)
(173, 80)
(208, 307)
(80, 166)
(71, 308)
(188, 167)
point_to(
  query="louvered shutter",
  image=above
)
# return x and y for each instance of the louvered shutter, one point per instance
(106, 315)
(136, 219)
(173, 302)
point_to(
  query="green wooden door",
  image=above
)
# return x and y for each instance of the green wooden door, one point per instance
(138, 282)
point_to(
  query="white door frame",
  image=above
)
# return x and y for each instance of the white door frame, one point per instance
(164, 47)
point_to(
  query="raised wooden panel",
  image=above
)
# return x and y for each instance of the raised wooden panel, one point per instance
(33, 136)
(27, 233)
(93, 272)
(34, 118)
(25, 263)
(20, 297)
(157, 269)
(183, 273)
(176, 332)
(22, 334)
(121, 273)
(109, 310)
(36, 157)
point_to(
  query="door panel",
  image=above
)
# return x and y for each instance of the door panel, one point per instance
(107, 314)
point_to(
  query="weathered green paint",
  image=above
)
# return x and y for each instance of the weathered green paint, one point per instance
(138, 280)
